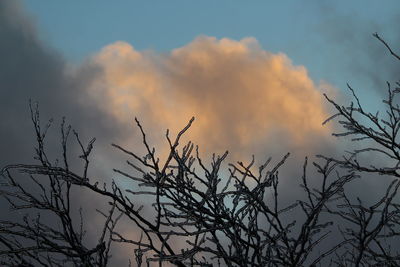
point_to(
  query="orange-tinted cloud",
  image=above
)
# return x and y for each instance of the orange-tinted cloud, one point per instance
(241, 95)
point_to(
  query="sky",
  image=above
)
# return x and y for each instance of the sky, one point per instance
(251, 72)
(301, 29)
(331, 40)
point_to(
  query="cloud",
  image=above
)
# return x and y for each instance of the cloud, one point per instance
(245, 99)
(242, 96)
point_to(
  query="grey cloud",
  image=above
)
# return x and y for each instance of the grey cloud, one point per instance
(30, 69)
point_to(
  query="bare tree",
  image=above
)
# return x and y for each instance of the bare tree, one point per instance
(33, 241)
(206, 214)
(374, 227)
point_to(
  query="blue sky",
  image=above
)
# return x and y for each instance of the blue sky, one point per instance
(297, 28)
(331, 39)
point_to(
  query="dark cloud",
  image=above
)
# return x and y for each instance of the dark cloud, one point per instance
(29, 69)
